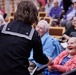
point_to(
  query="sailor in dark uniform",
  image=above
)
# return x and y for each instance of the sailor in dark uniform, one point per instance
(17, 39)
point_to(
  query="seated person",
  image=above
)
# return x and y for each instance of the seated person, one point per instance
(48, 6)
(68, 32)
(67, 20)
(56, 11)
(65, 61)
(51, 47)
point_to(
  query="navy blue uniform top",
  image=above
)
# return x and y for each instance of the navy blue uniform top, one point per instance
(16, 41)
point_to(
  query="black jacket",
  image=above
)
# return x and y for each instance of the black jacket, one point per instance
(16, 41)
(66, 4)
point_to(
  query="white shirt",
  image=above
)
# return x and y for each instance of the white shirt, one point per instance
(71, 14)
(48, 8)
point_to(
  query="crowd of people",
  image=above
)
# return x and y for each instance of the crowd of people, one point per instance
(21, 44)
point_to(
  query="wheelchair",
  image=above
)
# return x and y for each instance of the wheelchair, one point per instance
(39, 70)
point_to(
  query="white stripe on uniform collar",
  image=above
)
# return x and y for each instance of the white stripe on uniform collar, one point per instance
(18, 34)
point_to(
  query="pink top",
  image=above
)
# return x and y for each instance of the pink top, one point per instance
(69, 65)
(43, 2)
(2, 12)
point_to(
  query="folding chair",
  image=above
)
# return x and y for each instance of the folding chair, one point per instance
(48, 19)
(11, 18)
(57, 32)
(12, 14)
(41, 69)
(42, 14)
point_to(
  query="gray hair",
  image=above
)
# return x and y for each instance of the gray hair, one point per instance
(74, 38)
(46, 25)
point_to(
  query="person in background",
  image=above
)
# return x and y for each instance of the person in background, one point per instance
(65, 61)
(17, 39)
(50, 47)
(48, 6)
(41, 7)
(43, 2)
(2, 21)
(66, 4)
(60, 3)
(67, 20)
(2, 11)
(69, 32)
(55, 11)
